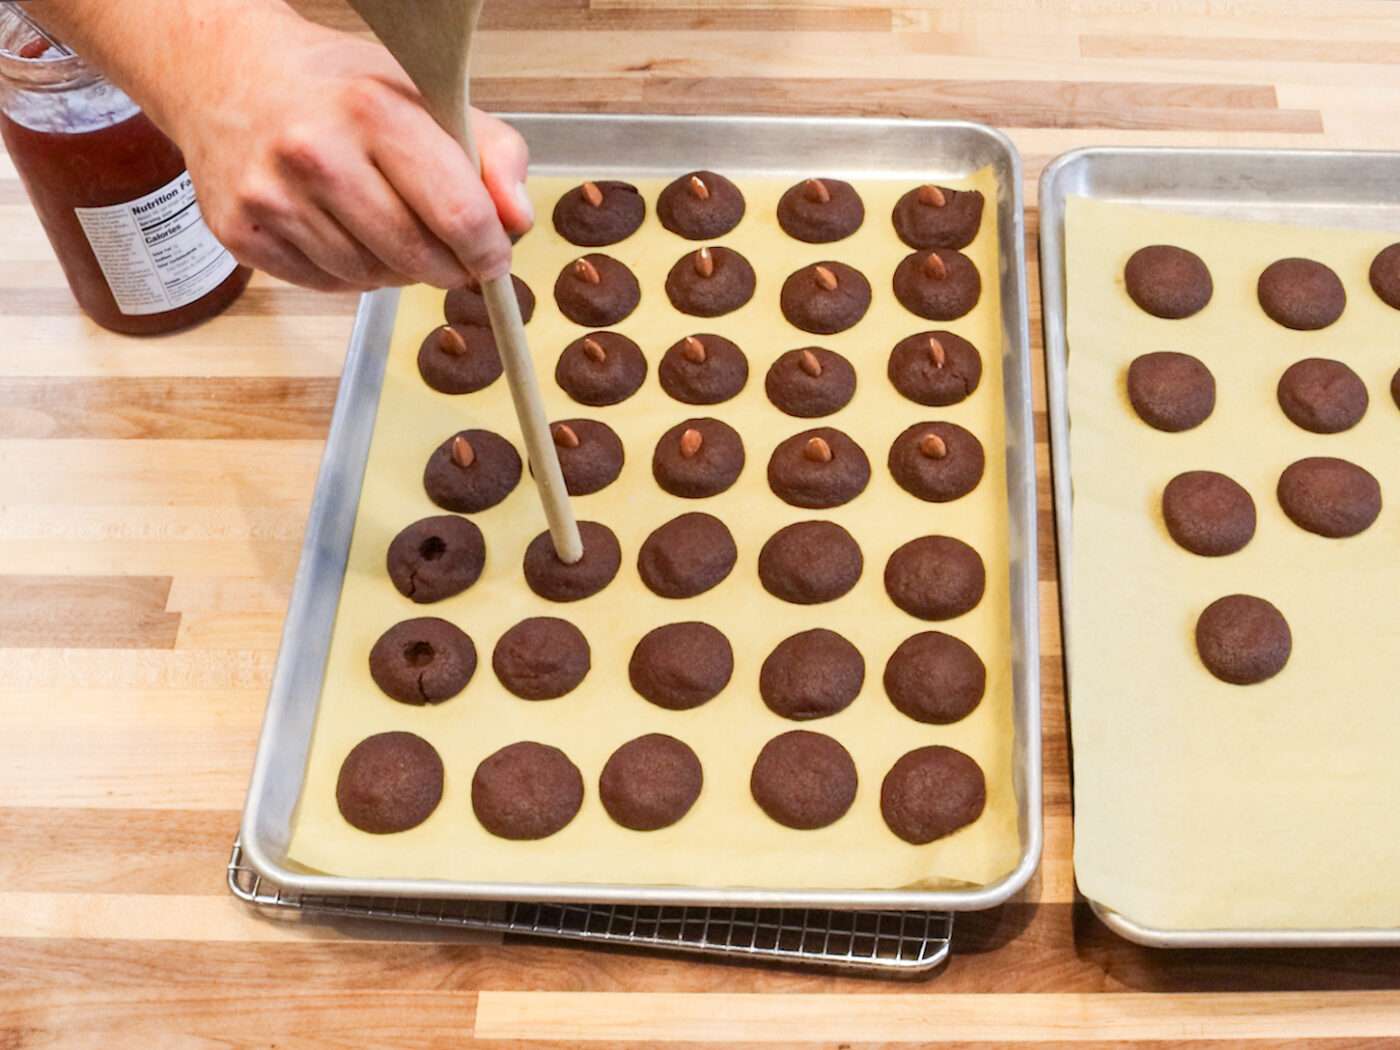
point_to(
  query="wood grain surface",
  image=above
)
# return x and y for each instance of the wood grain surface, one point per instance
(153, 496)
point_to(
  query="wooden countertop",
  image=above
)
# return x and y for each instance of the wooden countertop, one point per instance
(153, 495)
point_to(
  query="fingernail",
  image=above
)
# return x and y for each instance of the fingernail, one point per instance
(522, 198)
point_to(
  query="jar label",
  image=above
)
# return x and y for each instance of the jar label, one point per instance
(156, 252)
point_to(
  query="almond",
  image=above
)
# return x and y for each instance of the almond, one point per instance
(935, 267)
(565, 436)
(592, 194)
(691, 442)
(704, 263)
(809, 363)
(817, 450)
(933, 446)
(586, 271)
(825, 278)
(593, 350)
(936, 353)
(815, 191)
(462, 452)
(450, 341)
(698, 187)
(932, 196)
(694, 350)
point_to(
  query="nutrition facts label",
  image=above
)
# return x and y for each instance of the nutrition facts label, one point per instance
(156, 252)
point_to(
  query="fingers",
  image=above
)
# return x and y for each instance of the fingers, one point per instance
(504, 161)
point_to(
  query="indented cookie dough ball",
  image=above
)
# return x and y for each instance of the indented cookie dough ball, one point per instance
(1301, 294)
(810, 562)
(389, 782)
(1208, 513)
(681, 665)
(471, 471)
(700, 206)
(811, 675)
(1331, 497)
(932, 216)
(818, 468)
(804, 780)
(938, 462)
(459, 359)
(687, 556)
(819, 211)
(650, 782)
(526, 791)
(558, 581)
(935, 368)
(931, 792)
(596, 290)
(1171, 391)
(590, 454)
(698, 458)
(1167, 281)
(542, 658)
(1385, 275)
(935, 678)
(601, 368)
(825, 297)
(939, 284)
(436, 557)
(709, 282)
(1242, 639)
(425, 660)
(935, 577)
(1323, 396)
(810, 382)
(703, 369)
(466, 304)
(595, 214)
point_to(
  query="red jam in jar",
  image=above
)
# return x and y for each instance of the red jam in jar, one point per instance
(111, 191)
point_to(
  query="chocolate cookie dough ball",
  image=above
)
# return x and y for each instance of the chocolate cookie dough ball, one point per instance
(937, 462)
(931, 792)
(687, 556)
(939, 284)
(1167, 281)
(466, 304)
(599, 213)
(425, 660)
(557, 581)
(389, 782)
(818, 468)
(1330, 497)
(681, 665)
(1323, 396)
(935, 678)
(811, 675)
(590, 454)
(935, 368)
(935, 577)
(1171, 391)
(1395, 388)
(810, 562)
(1242, 639)
(709, 282)
(542, 658)
(435, 558)
(700, 206)
(526, 791)
(1385, 275)
(596, 290)
(601, 368)
(938, 217)
(819, 211)
(650, 782)
(810, 382)
(698, 458)
(803, 780)
(458, 359)
(703, 369)
(1301, 294)
(471, 471)
(1208, 513)
(825, 297)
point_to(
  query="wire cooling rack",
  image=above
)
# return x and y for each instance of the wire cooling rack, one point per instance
(907, 943)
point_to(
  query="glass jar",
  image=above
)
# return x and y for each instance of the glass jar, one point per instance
(111, 191)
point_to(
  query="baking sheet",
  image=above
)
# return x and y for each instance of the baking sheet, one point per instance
(401, 446)
(1208, 813)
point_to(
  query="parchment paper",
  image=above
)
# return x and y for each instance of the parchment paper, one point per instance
(1200, 804)
(725, 841)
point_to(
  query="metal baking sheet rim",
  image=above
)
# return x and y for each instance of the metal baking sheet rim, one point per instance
(1257, 168)
(593, 144)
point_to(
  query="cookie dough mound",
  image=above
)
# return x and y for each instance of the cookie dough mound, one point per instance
(810, 382)
(939, 284)
(681, 665)
(937, 462)
(650, 782)
(1242, 639)
(810, 562)
(389, 782)
(811, 675)
(425, 660)
(1301, 294)
(590, 454)
(1385, 275)
(818, 468)
(459, 359)
(1322, 396)
(935, 577)
(935, 368)
(804, 780)
(1171, 391)
(703, 369)
(471, 471)
(935, 678)
(526, 791)
(596, 214)
(687, 556)
(596, 290)
(938, 217)
(698, 458)
(601, 368)
(825, 297)
(819, 211)
(466, 304)
(700, 206)
(436, 557)
(558, 581)
(542, 658)
(1208, 513)
(709, 282)
(1329, 496)
(1167, 281)
(931, 792)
